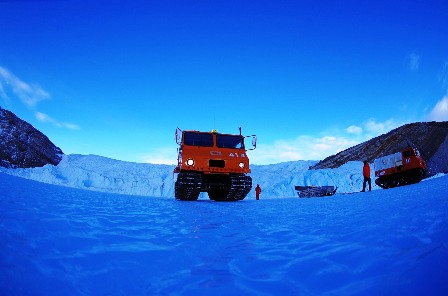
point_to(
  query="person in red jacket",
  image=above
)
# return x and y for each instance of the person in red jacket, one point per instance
(257, 192)
(366, 174)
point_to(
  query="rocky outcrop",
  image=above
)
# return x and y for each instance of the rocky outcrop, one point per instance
(430, 138)
(23, 146)
(438, 163)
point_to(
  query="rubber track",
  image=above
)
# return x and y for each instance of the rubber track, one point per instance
(239, 188)
(405, 178)
(188, 186)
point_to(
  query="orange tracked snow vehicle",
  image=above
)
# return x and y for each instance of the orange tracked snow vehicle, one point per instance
(401, 168)
(214, 163)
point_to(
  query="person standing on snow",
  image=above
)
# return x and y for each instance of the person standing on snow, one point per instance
(366, 174)
(257, 192)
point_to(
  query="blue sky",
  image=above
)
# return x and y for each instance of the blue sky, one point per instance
(309, 78)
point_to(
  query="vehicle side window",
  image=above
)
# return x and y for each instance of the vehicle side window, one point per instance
(407, 154)
(229, 141)
(198, 139)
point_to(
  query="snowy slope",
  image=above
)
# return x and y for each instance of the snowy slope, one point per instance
(107, 175)
(104, 174)
(64, 241)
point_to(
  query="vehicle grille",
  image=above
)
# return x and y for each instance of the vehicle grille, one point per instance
(215, 163)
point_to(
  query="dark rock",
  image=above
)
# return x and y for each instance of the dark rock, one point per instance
(23, 146)
(430, 138)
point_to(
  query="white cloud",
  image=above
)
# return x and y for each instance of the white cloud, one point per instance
(414, 61)
(300, 148)
(47, 119)
(318, 148)
(43, 117)
(164, 155)
(29, 94)
(440, 111)
(353, 129)
(3, 93)
(375, 128)
(444, 76)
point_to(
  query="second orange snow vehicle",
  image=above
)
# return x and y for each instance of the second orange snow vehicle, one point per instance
(214, 163)
(401, 168)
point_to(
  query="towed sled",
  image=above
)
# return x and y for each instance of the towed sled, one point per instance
(315, 191)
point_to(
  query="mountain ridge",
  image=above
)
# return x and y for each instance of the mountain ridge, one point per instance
(430, 138)
(23, 146)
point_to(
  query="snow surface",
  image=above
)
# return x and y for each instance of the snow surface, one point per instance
(108, 175)
(64, 241)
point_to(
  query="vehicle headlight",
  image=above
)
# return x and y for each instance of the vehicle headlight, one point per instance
(241, 165)
(190, 162)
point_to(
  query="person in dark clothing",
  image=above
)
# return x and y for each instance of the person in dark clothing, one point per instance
(257, 192)
(366, 174)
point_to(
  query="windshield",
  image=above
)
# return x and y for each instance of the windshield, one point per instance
(408, 153)
(229, 141)
(198, 139)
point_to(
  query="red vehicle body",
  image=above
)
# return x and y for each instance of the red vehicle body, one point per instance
(401, 168)
(214, 163)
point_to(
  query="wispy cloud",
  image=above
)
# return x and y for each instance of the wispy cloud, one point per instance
(440, 111)
(45, 118)
(30, 95)
(317, 148)
(300, 148)
(374, 128)
(163, 155)
(413, 61)
(2, 92)
(444, 76)
(353, 129)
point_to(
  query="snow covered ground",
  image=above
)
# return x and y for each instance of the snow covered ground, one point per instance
(108, 175)
(56, 240)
